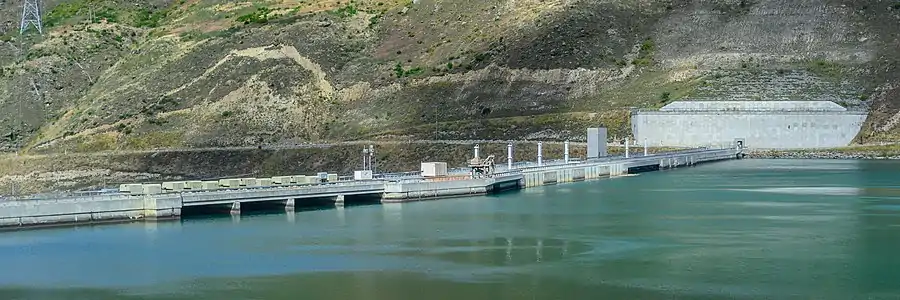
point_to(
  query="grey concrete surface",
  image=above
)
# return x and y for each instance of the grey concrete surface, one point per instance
(780, 126)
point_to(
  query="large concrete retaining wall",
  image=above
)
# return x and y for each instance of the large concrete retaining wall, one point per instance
(760, 130)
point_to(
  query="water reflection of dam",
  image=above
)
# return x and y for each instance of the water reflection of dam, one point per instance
(513, 248)
(877, 233)
(498, 251)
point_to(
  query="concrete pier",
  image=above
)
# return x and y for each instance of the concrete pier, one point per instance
(167, 204)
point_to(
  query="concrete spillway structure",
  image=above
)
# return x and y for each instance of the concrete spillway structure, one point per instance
(762, 124)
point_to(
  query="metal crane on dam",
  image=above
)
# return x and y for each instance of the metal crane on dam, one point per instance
(481, 168)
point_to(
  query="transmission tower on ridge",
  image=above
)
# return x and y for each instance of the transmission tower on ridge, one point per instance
(31, 15)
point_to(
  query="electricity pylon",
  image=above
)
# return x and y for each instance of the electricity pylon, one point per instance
(31, 15)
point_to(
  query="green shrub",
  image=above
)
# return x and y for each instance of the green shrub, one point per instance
(824, 68)
(648, 46)
(260, 16)
(645, 55)
(147, 18)
(413, 71)
(665, 97)
(346, 11)
(108, 14)
(373, 21)
(62, 12)
(399, 72)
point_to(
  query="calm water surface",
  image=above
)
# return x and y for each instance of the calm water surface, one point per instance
(751, 229)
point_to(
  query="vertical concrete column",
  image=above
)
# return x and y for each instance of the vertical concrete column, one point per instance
(236, 208)
(289, 204)
(339, 200)
(476, 151)
(365, 159)
(373, 160)
(509, 156)
(150, 207)
(645, 146)
(540, 157)
(626, 147)
(566, 150)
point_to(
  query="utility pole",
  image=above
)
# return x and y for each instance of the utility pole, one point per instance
(31, 16)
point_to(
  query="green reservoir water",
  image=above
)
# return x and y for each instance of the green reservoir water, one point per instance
(749, 229)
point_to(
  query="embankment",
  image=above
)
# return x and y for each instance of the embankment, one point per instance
(854, 152)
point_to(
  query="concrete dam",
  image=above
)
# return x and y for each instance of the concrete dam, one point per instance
(155, 201)
(759, 124)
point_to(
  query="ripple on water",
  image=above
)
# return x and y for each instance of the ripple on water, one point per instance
(828, 191)
(887, 207)
(494, 252)
(780, 204)
(802, 218)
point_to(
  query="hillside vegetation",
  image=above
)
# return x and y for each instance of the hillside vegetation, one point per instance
(113, 75)
(203, 73)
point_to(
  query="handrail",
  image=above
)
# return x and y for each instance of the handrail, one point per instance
(612, 159)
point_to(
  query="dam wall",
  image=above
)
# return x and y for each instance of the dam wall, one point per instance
(157, 203)
(762, 125)
(97, 209)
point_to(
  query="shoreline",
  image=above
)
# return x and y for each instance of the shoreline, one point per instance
(822, 154)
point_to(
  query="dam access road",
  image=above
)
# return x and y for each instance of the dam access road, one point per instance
(125, 207)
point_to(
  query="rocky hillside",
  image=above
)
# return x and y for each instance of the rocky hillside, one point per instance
(127, 75)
